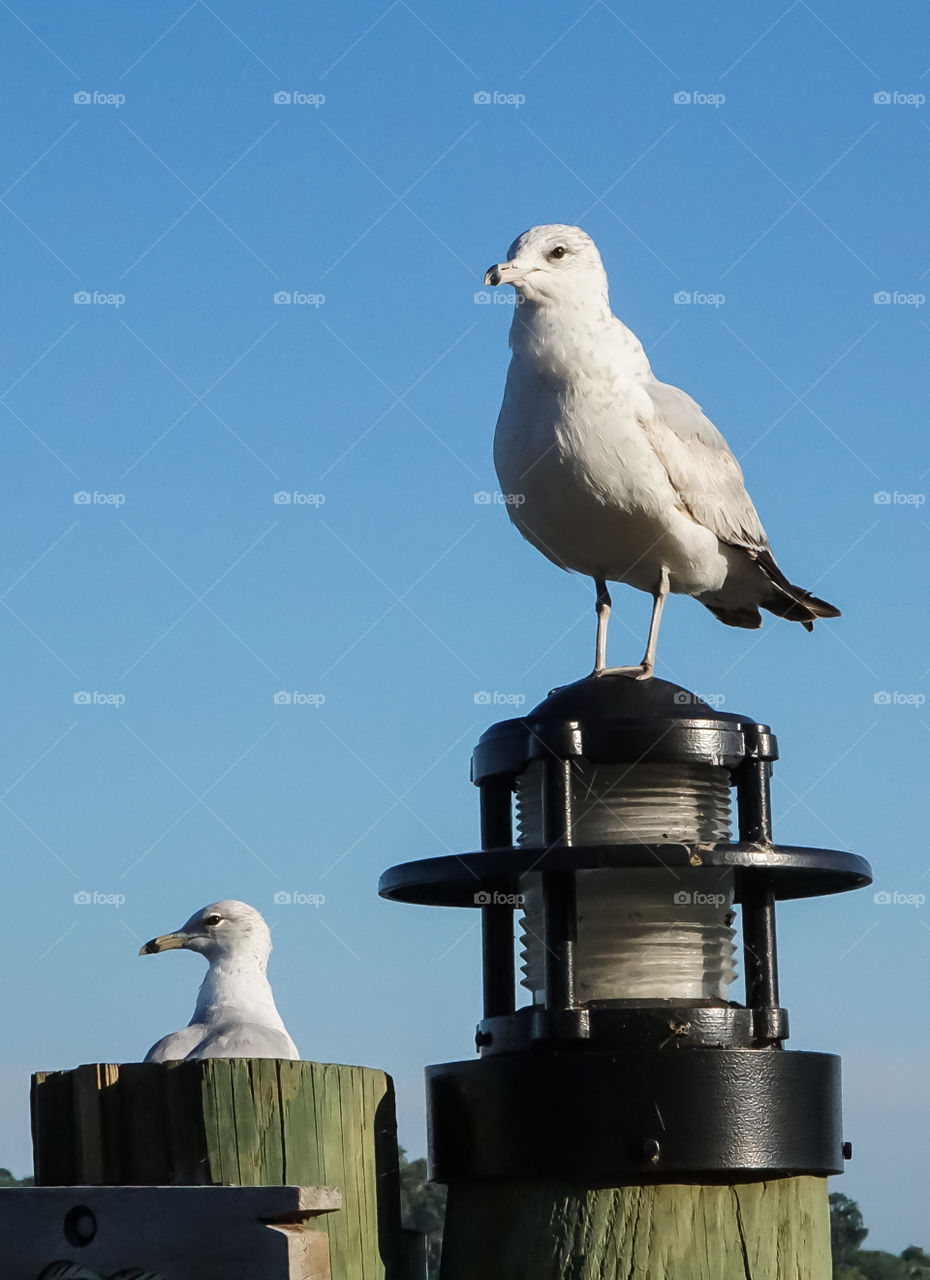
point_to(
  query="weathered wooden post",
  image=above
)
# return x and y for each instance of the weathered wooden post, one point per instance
(631, 1120)
(316, 1141)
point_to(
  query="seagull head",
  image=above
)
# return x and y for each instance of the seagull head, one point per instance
(553, 264)
(219, 931)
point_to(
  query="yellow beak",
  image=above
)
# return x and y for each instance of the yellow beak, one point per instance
(167, 942)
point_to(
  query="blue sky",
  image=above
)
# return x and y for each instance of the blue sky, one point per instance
(729, 152)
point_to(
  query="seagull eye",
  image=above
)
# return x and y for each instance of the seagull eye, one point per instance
(211, 920)
(558, 251)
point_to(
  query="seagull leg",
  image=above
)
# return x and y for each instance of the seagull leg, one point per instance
(647, 666)
(603, 617)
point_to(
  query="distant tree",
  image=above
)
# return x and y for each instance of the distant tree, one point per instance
(7, 1180)
(877, 1265)
(918, 1261)
(847, 1230)
(423, 1207)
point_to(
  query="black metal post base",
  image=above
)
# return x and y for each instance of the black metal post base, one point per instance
(603, 1118)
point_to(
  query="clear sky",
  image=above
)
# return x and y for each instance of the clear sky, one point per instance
(734, 153)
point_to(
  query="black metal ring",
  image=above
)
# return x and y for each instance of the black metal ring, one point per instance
(603, 1118)
(493, 877)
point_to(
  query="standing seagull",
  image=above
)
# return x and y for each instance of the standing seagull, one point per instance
(235, 1016)
(612, 473)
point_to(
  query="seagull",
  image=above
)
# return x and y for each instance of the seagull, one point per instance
(613, 474)
(235, 1015)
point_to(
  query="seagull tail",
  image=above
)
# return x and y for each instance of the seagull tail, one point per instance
(749, 618)
(791, 602)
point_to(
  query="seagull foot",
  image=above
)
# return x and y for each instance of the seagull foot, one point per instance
(641, 672)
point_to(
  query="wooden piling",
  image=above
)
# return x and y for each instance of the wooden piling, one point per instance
(776, 1230)
(233, 1122)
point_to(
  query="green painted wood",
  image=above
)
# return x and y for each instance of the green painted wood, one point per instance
(267, 1097)
(301, 1151)
(777, 1230)
(222, 1153)
(235, 1122)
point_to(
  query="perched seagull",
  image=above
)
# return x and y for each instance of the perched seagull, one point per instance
(619, 476)
(235, 1016)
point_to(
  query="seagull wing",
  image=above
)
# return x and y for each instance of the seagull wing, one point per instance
(178, 1045)
(703, 471)
(244, 1040)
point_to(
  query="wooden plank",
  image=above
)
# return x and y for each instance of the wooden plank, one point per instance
(185, 1123)
(343, 1242)
(110, 1122)
(382, 1107)
(145, 1149)
(222, 1149)
(267, 1102)
(88, 1123)
(548, 1231)
(53, 1132)
(248, 1140)
(301, 1153)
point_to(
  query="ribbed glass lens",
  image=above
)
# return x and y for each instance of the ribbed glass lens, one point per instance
(652, 933)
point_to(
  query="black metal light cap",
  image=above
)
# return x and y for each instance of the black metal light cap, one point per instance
(615, 719)
(703, 1114)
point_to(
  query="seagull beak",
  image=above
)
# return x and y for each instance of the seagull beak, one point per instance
(167, 942)
(505, 273)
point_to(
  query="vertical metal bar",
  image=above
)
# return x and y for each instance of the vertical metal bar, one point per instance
(760, 955)
(496, 813)
(754, 801)
(759, 947)
(560, 920)
(497, 964)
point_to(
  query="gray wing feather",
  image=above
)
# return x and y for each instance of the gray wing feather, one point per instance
(177, 1045)
(704, 472)
(249, 1040)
